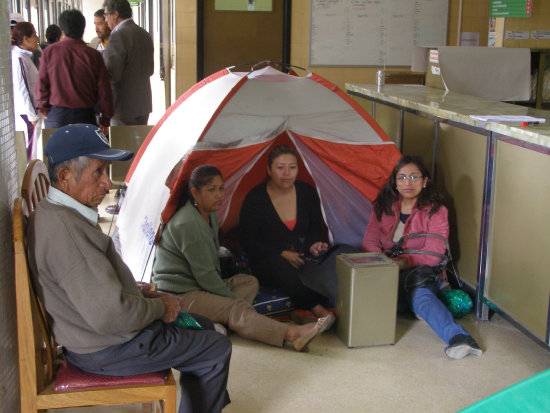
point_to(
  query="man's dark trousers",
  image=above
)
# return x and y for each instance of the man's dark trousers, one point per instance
(201, 356)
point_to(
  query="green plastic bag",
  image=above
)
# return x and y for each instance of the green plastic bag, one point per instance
(186, 320)
(457, 302)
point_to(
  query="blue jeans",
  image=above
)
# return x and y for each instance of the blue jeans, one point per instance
(425, 304)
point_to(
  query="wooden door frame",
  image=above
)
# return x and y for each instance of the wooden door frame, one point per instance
(287, 10)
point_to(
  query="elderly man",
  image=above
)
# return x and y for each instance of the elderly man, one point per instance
(105, 324)
(129, 61)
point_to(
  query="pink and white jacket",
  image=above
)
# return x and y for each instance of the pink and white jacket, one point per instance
(379, 234)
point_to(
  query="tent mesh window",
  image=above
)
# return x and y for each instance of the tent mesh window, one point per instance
(9, 381)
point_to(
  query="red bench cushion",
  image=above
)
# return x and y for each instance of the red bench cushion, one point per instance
(69, 377)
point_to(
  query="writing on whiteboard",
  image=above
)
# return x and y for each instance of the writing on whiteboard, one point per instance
(374, 32)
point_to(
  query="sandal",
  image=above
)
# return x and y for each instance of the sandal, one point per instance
(322, 324)
(328, 322)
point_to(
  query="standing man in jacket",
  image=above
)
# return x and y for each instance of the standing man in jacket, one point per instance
(129, 60)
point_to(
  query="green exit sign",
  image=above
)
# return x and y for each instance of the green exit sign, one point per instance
(511, 8)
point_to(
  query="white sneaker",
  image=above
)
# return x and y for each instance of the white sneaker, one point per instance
(461, 346)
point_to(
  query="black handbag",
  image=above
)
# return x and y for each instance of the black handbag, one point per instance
(235, 264)
(421, 275)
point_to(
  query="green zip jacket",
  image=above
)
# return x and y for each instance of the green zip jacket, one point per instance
(186, 258)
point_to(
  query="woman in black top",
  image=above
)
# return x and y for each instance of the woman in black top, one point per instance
(280, 225)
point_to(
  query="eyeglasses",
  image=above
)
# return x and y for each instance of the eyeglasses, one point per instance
(402, 179)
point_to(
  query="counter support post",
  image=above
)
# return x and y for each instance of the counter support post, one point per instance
(435, 150)
(482, 310)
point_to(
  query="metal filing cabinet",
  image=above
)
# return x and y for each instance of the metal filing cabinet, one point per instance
(367, 299)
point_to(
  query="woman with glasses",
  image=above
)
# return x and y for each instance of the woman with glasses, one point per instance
(409, 203)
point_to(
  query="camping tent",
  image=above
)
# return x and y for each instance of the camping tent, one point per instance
(231, 120)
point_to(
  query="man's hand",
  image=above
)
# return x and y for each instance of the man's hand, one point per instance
(172, 308)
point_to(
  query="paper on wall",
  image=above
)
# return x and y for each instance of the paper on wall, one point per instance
(540, 34)
(516, 35)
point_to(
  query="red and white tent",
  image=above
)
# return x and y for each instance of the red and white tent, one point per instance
(231, 120)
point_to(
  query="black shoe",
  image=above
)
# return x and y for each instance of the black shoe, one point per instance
(461, 346)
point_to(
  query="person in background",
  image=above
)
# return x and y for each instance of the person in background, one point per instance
(130, 63)
(53, 35)
(186, 263)
(104, 322)
(409, 204)
(27, 117)
(280, 224)
(72, 79)
(102, 30)
(18, 18)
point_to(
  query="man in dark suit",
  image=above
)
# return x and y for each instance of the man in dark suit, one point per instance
(129, 61)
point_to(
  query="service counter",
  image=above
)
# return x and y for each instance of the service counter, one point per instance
(496, 179)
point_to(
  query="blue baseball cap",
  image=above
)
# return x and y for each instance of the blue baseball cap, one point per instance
(81, 139)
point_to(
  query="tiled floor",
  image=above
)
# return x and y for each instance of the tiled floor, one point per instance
(411, 376)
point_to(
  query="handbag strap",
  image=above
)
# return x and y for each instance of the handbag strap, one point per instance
(398, 248)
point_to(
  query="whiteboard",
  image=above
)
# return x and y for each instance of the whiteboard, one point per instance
(374, 32)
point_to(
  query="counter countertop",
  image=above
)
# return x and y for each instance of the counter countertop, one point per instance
(458, 107)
